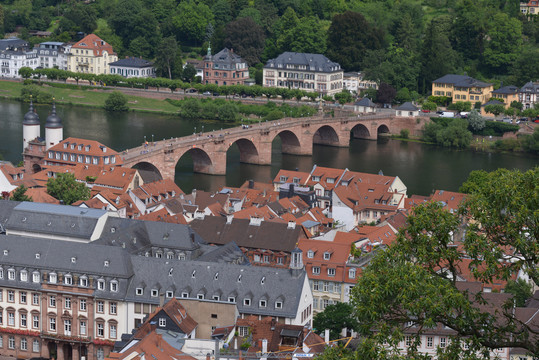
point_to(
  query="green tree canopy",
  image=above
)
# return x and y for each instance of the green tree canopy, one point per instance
(247, 39)
(335, 318)
(67, 189)
(414, 283)
(19, 194)
(116, 101)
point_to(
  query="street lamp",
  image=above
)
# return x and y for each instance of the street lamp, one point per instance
(152, 138)
(144, 139)
(194, 130)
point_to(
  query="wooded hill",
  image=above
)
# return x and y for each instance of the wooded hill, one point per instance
(406, 43)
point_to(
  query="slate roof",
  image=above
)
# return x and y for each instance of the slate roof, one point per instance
(132, 62)
(268, 235)
(510, 89)
(530, 87)
(229, 253)
(492, 102)
(365, 102)
(461, 81)
(408, 106)
(9, 44)
(51, 219)
(224, 280)
(226, 59)
(313, 62)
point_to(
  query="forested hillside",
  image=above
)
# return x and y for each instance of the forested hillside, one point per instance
(405, 43)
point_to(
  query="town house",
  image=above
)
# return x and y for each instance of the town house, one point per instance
(91, 55)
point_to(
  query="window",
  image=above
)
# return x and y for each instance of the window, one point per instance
(83, 327)
(11, 274)
(23, 320)
(35, 345)
(24, 344)
(316, 270)
(67, 327)
(331, 272)
(82, 303)
(100, 306)
(280, 260)
(352, 273)
(247, 302)
(185, 294)
(243, 331)
(35, 299)
(24, 275)
(155, 293)
(114, 286)
(443, 342)
(35, 321)
(100, 329)
(278, 304)
(22, 295)
(112, 331)
(200, 296)
(316, 286)
(162, 322)
(35, 277)
(52, 278)
(11, 343)
(11, 296)
(113, 308)
(11, 318)
(101, 284)
(83, 281)
(231, 299)
(139, 291)
(430, 341)
(408, 341)
(67, 303)
(310, 254)
(52, 324)
(262, 303)
(169, 294)
(327, 256)
(52, 301)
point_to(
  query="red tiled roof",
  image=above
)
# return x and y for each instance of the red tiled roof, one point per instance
(94, 43)
(89, 148)
(151, 344)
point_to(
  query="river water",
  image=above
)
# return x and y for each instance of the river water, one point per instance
(421, 167)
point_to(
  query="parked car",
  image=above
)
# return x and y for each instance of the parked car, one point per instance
(523, 119)
(507, 120)
(216, 94)
(447, 114)
(425, 110)
(207, 93)
(191, 91)
(439, 112)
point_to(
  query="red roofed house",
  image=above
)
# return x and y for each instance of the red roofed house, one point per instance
(91, 55)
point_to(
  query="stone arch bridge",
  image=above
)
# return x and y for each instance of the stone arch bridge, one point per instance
(208, 150)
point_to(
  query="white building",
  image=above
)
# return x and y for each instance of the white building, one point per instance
(132, 67)
(529, 94)
(355, 82)
(15, 54)
(52, 54)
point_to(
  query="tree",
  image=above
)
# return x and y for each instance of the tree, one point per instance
(517, 105)
(335, 318)
(349, 37)
(189, 73)
(521, 291)
(531, 142)
(504, 45)
(385, 94)
(26, 72)
(228, 112)
(495, 109)
(191, 21)
(343, 97)
(476, 121)
(456, 134)
(19, 194)
(429, 105)
(246, 38)
(415, 280)
(167, 51)
(526, 66)
(67, 189)
(460, 106)
(116, 101)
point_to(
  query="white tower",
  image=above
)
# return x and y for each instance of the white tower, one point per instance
(54, 130)
(30, 126)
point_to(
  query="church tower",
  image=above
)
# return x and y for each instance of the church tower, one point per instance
(54, 130)
(30, 126)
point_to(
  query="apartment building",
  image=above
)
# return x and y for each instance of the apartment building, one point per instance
(91, 55)
(462, 88)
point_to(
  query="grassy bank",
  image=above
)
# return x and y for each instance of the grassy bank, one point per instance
(88, 96)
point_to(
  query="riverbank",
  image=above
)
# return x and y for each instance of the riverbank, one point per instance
(92, 97)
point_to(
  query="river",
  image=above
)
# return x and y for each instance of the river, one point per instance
(421, 167)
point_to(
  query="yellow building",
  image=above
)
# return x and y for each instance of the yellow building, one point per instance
(91, 55)
(507, 93)
(462, 88)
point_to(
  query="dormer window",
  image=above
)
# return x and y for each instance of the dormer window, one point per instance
(352, 273)
(24, 275)
(83, 281)
(106, 263)
(68, 280)
(36, 277)
(263, 280)
(310, 254)
(155, 293)
(169, 294)
(73, 260)
(247, 302)
(262, 303)
(139, 291)
(101, 284)
(327, 256)
(316, 178)
(114, 286)
(53, 278)
(278, 304)
(193, 274)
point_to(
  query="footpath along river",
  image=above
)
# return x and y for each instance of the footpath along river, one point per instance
(421, 167)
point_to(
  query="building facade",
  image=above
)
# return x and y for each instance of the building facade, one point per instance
(15, 54)
(309, 72)
(132, 67)
(225, 68)
(52, 54)
(462, 88)
(508, 94)
(530, 7)
(529, 94)
(91, 55)
(355, 82)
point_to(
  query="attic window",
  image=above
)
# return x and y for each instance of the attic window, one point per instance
(310, 254)
(231, 299)
(169, 294)
(278, 304)
(193, 274)
(263, 280)
(106, 263)
(239, 278)
(185, 294)
(247, 302)
(262, 303)
(113, 229)
(216, 298)
(155, 293)
(73, 260)
(38, 256)
(6, 251)
(216, 276)
(327, 256)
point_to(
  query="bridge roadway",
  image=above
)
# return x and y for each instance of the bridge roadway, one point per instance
(208, 150)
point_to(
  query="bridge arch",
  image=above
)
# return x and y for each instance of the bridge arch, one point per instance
(382, 129)
(326, 135)
(248, 151)
(151, 171)
(360, 131)
(290, 143)
(202, 163)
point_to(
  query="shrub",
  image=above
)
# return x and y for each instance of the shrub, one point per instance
(405, 133)
(116, 102)
(37, 95)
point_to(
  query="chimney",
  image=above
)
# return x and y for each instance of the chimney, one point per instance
(290, 190)
(192, 236)
(291, 225)
(229, 218)
(326, 336)
(255, 221)
(251, 184)
(161, 299)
